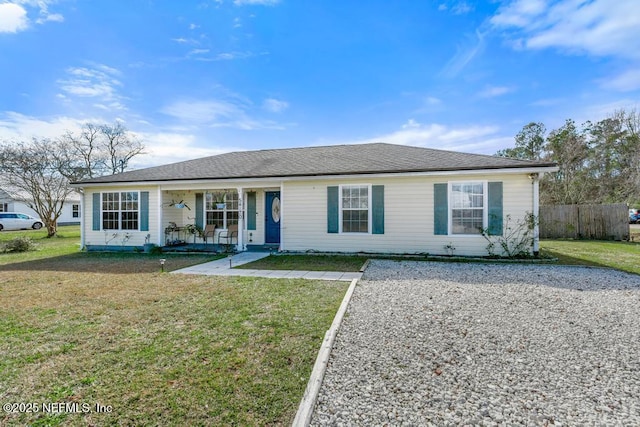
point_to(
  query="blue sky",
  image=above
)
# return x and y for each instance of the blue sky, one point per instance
(195, 78)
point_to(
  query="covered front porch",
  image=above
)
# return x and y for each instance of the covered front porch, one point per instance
(219, 219)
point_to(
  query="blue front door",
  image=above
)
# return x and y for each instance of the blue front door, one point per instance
(272, 217)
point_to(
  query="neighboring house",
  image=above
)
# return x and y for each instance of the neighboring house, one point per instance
(12, 200)
(372, 198)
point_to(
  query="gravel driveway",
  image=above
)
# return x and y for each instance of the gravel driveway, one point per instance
(482, 344)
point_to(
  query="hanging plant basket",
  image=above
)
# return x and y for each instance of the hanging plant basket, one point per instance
(219, 198)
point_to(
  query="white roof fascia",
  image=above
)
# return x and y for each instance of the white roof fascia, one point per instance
(275, 181)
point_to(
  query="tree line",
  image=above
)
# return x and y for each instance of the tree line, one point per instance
(43, 168)
(599, 162)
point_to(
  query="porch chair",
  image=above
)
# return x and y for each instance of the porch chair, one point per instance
(227, 236)
(209, 230)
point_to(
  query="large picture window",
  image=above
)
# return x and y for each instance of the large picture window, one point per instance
(120, 210)
(222, 216)
(467, 207)
(355, 208)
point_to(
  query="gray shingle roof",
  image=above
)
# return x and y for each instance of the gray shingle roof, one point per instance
(319, 161)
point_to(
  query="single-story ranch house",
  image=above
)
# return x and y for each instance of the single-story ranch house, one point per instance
(372, 198)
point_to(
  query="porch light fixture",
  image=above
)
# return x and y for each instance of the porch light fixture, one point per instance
(533, 176)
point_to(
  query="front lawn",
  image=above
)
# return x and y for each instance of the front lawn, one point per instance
(623, 256)
(308, 263)
(157, 349)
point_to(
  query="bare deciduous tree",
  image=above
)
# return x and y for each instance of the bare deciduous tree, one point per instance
(34, 169)
(101, 150)
(43, 168)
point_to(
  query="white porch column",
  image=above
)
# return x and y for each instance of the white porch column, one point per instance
(241, 246)
(282, 216)
(536, 213)
(159, 228)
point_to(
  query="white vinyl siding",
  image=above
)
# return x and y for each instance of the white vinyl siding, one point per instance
(409, 220)
(135, 237)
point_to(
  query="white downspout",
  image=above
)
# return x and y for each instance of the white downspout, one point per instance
(281, 216)
(160, 230)
(241, 246)
(536, 213)
(82, 219)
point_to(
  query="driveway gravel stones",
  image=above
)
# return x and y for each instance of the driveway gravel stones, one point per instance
(486, 344)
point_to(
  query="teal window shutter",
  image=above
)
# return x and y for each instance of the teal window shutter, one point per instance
(144, 211)
(495, 208)
(440, 209)
(96, 211)
(251, 210)
(377, 205)
(333, 214)
(200, 210)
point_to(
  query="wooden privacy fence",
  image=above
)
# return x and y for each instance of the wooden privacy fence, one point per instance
(597, 222)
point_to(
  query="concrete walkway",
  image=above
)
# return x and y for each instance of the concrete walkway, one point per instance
(222, 267)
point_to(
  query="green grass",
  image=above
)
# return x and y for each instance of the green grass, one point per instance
(62, 253)
(623, 256)
(160, 349)
(307, 263)
(67, 242)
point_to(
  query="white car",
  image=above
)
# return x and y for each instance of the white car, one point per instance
(19, 221)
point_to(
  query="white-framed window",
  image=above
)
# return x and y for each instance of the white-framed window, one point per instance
(75, 211)
(355, 214)
(120, 210)
(222, 216)
(468, 203)
(4, 207)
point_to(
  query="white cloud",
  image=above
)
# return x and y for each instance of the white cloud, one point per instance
(596, 27)
(495, 91)
(13, 18)
(217, 114)
(457, 8)
(547, 102)
(473, 46)
(54, 17)
(162, 147)
(202, 112)
(171, 146)
(478, 139)
(16, 126)
(462, 8)
(432, 100)
(256, 2)
(227, 56)
(623, 82)
(519, 13)
(275, 105)
(198, 52)
(100, 82)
